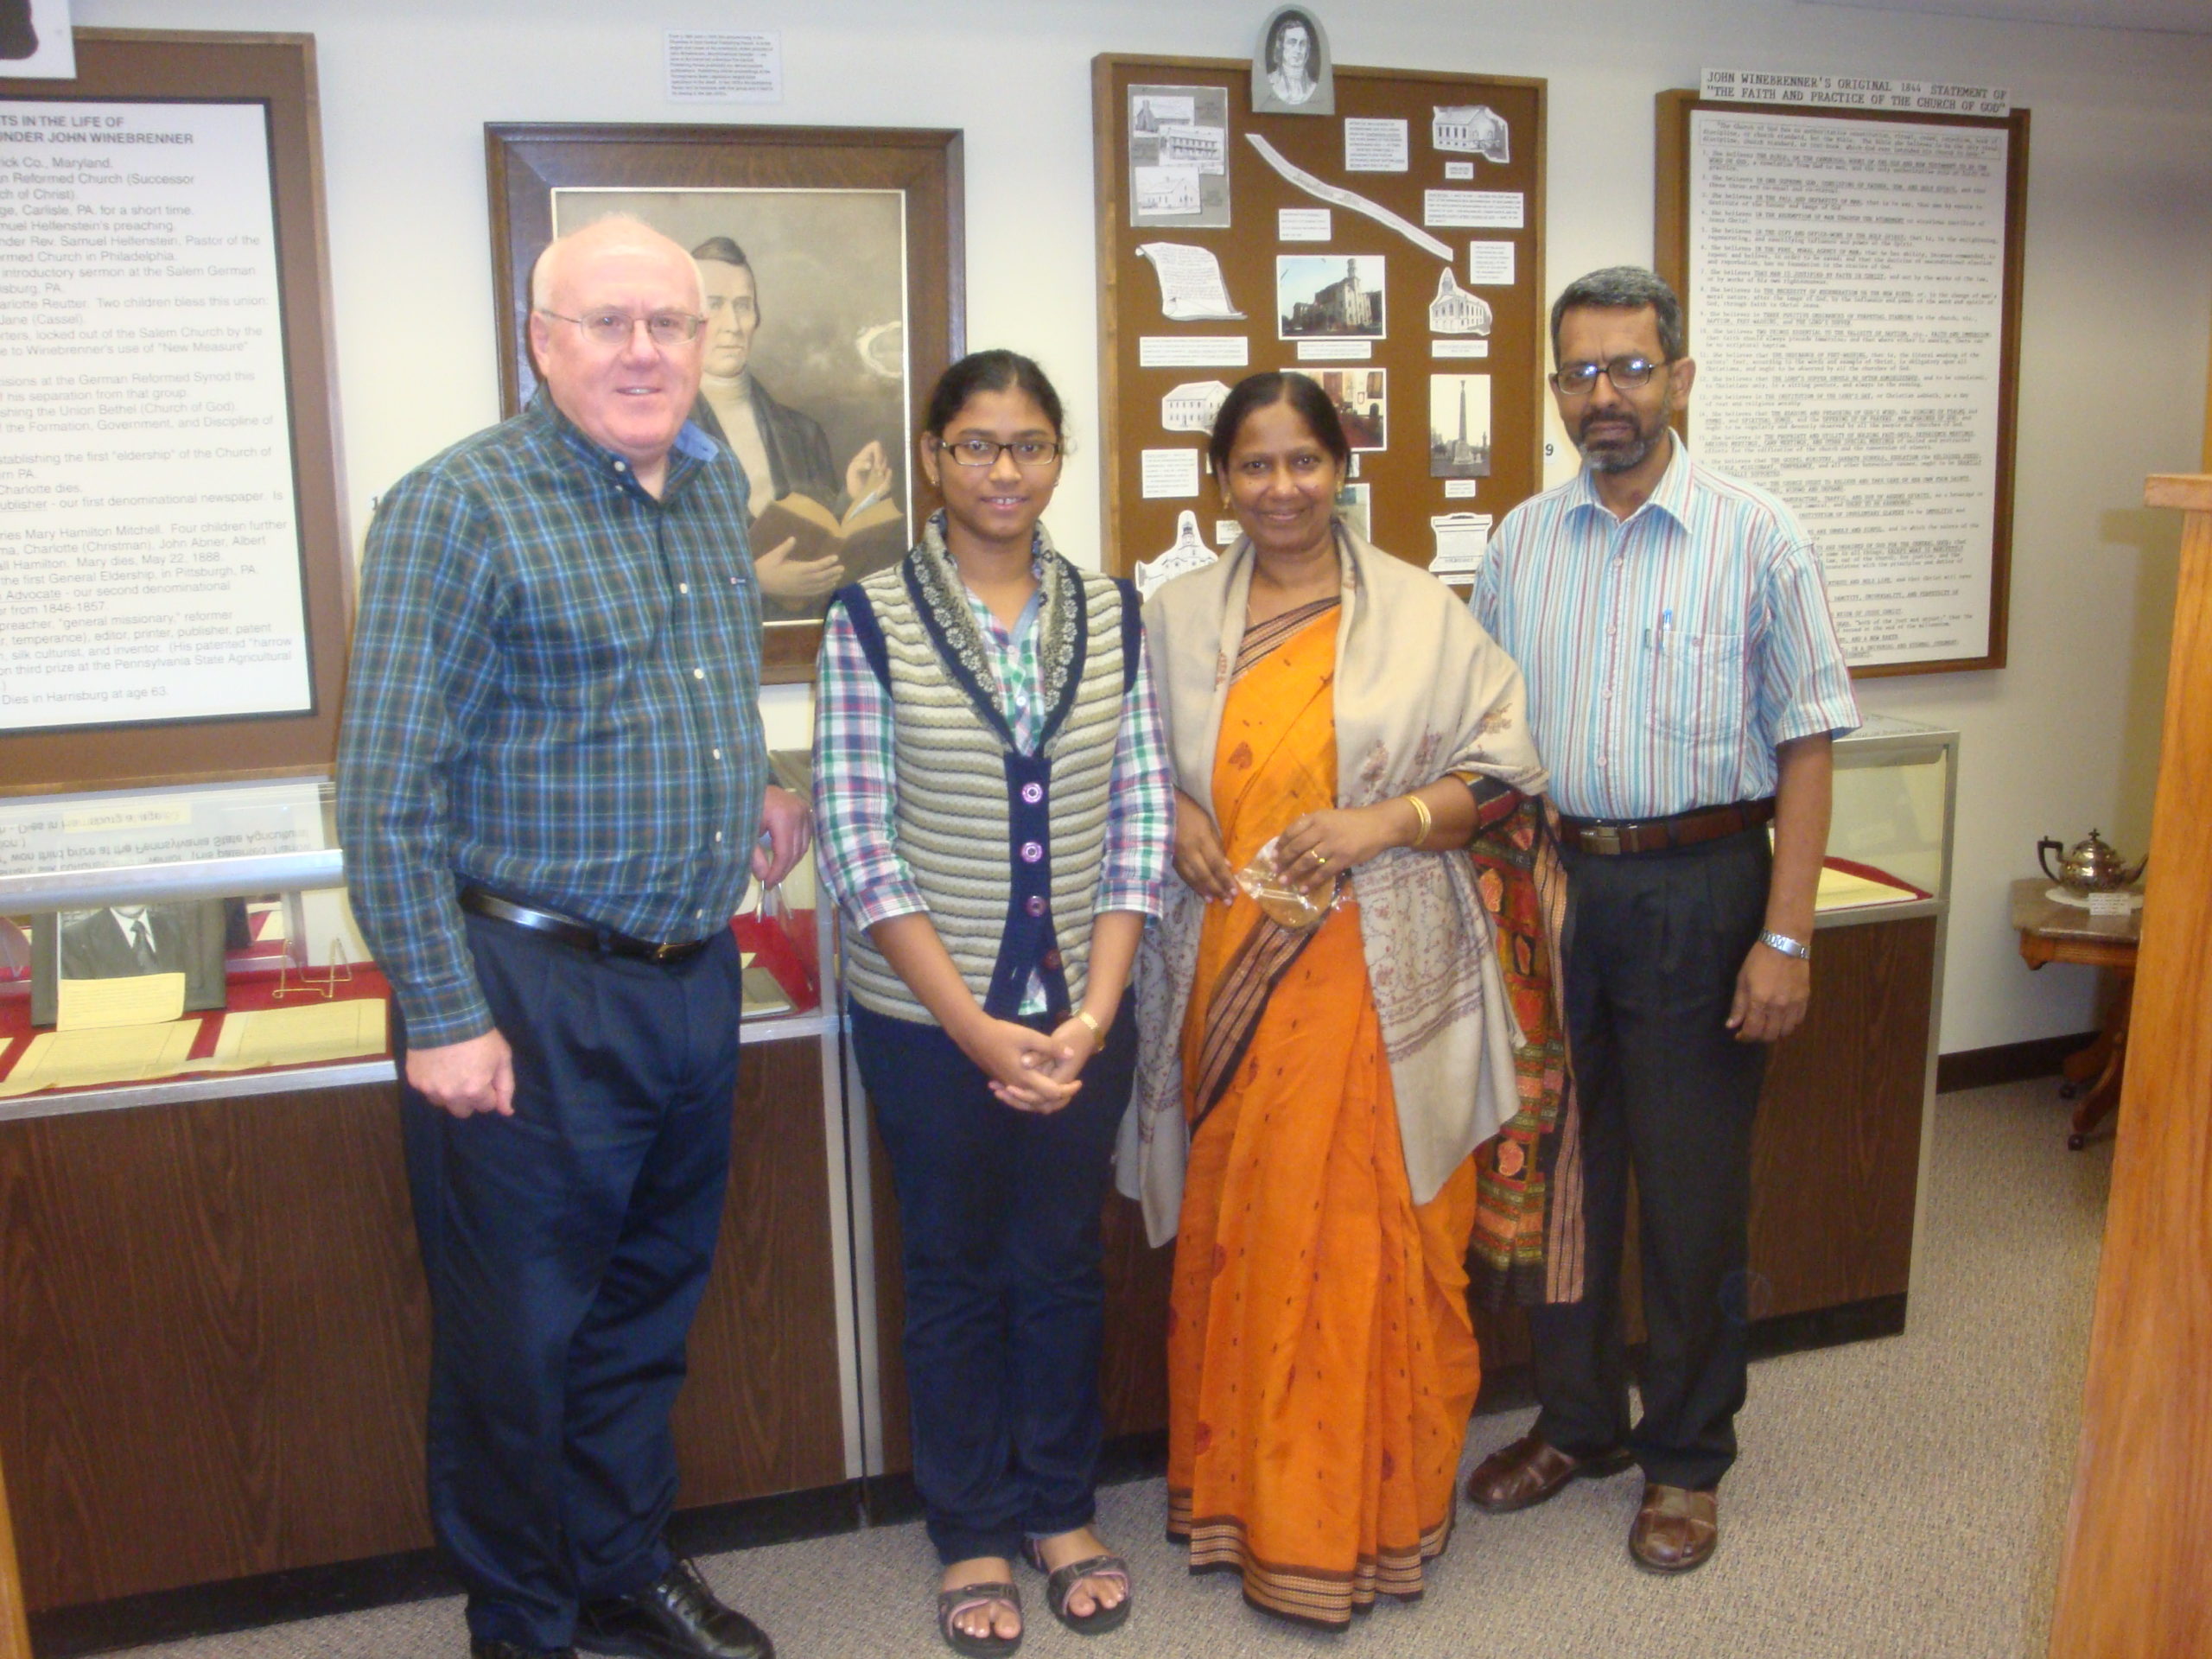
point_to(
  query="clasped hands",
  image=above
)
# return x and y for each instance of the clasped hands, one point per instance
(1028, 1070)
(1310, 853)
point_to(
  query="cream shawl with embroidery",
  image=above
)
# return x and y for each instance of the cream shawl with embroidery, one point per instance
(1420, 691)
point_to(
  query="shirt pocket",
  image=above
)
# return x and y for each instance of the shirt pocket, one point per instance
(1697, 686)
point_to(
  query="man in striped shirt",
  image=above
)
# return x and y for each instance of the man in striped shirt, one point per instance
(1684, 687)
(551, 779)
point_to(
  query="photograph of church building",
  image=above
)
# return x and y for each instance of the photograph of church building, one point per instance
(1323, 295)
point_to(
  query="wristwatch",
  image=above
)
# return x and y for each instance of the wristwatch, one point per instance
(1787, 946)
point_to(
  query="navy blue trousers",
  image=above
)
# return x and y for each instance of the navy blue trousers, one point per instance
(1005, 1301)
(566, 1249)
(1654, 944)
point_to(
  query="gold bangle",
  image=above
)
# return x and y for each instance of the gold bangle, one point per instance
(1421, 814)
(1097, 1032)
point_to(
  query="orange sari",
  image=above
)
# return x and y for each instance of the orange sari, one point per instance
(1321, 1361)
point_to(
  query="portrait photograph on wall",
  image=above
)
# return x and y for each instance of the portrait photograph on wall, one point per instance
(827, 261)
(805, 370)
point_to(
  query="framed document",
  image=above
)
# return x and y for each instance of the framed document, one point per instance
(1852, 282)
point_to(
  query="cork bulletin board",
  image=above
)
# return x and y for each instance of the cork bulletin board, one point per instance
(1393, 249)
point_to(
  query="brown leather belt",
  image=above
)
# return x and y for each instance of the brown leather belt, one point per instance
(1656, 835)
(584, 936)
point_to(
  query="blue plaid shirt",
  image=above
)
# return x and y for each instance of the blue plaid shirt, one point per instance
(554, 694)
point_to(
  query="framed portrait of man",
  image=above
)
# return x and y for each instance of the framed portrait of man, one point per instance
(184, 939)
(827, 261)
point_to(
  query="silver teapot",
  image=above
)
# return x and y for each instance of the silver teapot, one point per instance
(2088, 866)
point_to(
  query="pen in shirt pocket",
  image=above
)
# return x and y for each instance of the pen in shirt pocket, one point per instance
(1656, 637)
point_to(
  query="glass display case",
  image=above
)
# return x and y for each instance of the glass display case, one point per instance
(1890, 834)
(195, 943)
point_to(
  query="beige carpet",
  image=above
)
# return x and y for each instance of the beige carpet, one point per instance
(1899, 1497)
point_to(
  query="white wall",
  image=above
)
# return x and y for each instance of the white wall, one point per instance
(2119, 287)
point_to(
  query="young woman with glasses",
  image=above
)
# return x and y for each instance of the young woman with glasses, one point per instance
(992, 795)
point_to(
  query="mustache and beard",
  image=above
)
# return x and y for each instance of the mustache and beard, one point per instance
(1616, 440)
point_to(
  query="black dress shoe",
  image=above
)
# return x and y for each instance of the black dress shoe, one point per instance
(675, 1617)
(481, 1648)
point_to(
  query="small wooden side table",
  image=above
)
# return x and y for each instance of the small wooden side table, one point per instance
(2050, 931)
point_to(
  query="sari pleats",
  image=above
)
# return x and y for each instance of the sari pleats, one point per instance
(1321, 1361)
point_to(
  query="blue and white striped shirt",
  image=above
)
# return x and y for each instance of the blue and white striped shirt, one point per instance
(1666, 654)
(554, 693)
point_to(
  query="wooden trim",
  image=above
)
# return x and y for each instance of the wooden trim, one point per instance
(1670, 244)
(15, 1633)
(2136, 1580)
(1979, 1068)
(2189, 494)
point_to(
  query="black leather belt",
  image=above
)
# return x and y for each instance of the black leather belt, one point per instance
(584, 936)
(1609, 837)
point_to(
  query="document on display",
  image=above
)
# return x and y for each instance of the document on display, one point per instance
(1850, 315)
(148, 522)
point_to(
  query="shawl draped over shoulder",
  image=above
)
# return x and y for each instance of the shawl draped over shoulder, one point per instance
(1420, 691)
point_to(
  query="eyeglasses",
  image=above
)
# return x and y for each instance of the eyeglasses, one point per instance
(619, 329)
(1627, 373)
(985, 452)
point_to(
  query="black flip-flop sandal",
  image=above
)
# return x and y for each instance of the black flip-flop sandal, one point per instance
(950, 1604)
(1060, 1583)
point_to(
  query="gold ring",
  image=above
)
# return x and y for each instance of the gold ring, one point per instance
(1318, 856)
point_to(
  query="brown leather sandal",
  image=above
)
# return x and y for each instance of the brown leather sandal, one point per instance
(1060, 1583)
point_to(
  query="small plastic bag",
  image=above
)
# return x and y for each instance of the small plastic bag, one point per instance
(1285, 904)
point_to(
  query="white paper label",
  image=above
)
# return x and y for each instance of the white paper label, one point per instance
(1460, 489)
(1489, 210)
(1226, 530)
(706, 68)
(1169, 474)
(1193, 351)
(1854, 92)
(1374, 146)
(1458, 348)
(1489, 265)
(1335, 351)
(1458, 169)
(1302, 225)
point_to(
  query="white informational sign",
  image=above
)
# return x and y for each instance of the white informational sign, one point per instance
(1489, 265)
(1376, 146)
(1850, 321)
(1854, 92)
(1193, 351)
(1191, 285)
(1168, 474)
(1458, 169)
(91, 832)
(147, 521)
(1489, 210)
(1336, 351)
(1458, 348)
(39, 41)
(1303, 224)
(708, 68)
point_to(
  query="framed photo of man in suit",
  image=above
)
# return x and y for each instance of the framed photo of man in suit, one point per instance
(825, 257)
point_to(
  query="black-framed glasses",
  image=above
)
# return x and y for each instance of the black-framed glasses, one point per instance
(985, 452)
(1627, 373)
(620, 328)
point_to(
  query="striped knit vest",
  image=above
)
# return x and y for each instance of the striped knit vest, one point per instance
(1005, 848)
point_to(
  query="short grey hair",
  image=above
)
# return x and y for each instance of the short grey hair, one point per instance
(1624, 288)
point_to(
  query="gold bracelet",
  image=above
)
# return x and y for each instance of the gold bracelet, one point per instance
(1097, 1032)
(1420, 813)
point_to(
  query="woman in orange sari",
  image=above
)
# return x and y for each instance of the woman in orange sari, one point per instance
(1309, 1095)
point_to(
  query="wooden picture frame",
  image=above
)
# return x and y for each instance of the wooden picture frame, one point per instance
(277, 73)
(1672, 225)
(791, 202)
(1232, 215)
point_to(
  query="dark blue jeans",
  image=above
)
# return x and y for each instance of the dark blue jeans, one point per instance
(1005, 1301)
(566, 1249)
(1654, 944)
